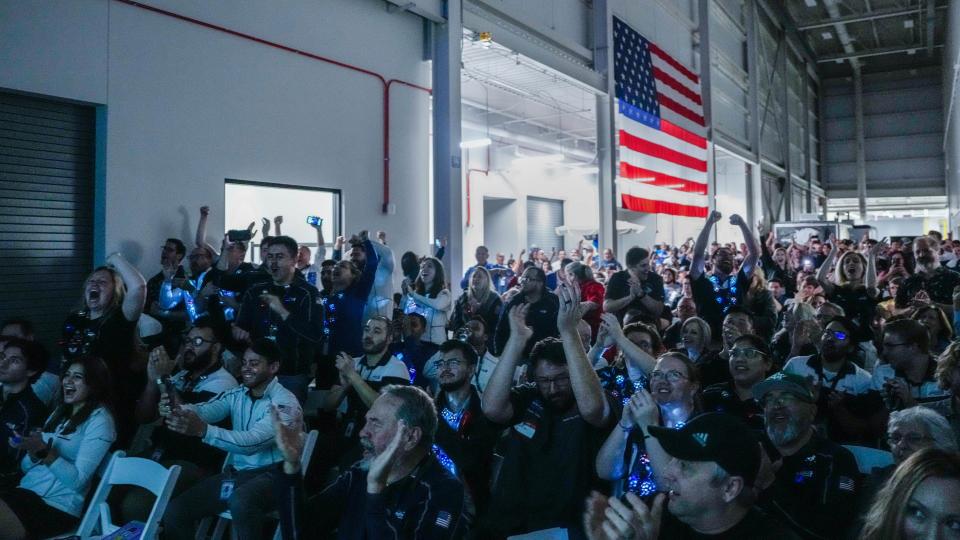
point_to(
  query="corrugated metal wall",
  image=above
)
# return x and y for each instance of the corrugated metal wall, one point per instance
(903, 126)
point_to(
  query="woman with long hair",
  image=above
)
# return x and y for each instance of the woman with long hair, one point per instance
(695, 338)
(479, 300)
(921, 500)
(62, 457)
(113, 299)
(429, 297)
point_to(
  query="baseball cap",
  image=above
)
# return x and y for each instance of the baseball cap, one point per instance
(717, 437)
(797, 385)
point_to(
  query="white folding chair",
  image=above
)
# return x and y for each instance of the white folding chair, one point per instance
(225, 517)
(133, 471)
(869, 458)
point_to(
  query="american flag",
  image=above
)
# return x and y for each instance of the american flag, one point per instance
(663, 149)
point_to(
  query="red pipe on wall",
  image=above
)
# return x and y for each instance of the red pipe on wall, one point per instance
(385, 84)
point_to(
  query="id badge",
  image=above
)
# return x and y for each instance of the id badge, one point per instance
(526, 429)
(226, 489)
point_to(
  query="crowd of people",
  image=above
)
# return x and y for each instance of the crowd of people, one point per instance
(707, 390)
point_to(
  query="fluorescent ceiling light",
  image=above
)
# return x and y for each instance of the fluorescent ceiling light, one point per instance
(476, 143)
(538, 160)
(826, 35)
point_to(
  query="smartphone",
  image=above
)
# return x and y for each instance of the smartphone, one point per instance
(315, 220)
(239, 235)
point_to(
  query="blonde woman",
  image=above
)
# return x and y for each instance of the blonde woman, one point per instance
(479, 300)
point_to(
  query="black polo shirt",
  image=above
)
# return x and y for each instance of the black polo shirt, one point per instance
(619, 287)
(548, 466)
(815, 490)
(467, 439)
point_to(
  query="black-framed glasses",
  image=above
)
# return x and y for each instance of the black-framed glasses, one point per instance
(671, 376)
(747, 352)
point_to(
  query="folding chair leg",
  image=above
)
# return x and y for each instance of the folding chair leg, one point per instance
(219, 529)
(203, 528)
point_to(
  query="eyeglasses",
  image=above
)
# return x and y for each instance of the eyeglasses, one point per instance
(197, 341)
(748, 353)
(911, 439)
(452, 363)
(562, 380)
(671, 376)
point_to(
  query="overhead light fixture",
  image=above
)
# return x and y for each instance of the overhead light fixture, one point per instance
(538, 160)
(908, 23)
(912, 52)
(476, 143)
(811, 3)
(826, 35)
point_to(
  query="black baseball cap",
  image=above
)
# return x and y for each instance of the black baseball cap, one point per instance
(792, 383)
(717, 437)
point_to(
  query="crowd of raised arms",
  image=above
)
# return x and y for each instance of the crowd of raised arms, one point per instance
(757, 389)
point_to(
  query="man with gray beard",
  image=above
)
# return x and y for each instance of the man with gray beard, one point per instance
(816, 482)
(930, 283)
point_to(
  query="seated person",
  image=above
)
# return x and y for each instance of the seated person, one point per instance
(63, 457)
(246, 486)
(21, 411)
(47, 384)
(397, 490)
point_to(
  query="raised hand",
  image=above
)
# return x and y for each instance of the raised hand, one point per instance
(644, 409)
(568, 315)
(737, 220)
(518, 322)
(266, 226)
(204, 211)
(345, 365)
(714, 217)
(290, 441)
(381, 465)
(879, 247)
(611, 326)
(159, 364)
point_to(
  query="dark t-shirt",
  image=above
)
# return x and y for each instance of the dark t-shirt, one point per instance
(21, 413)
(723, 398)
(858, 305)
(714, 368)
(530, 494)
(541, 317)
(618, 287)
(298, 335)
(755, 525)
(939, 286)
(714, 298)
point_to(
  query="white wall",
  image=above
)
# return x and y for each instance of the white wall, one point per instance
(187, 106)
(951, 95)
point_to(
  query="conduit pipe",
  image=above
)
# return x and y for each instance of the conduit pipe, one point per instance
(384, 82)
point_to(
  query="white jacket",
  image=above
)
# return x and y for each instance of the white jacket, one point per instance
(64, 483)
(250, 444)
(435, 310)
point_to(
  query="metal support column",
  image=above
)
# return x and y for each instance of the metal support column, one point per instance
(753, 69)
(861, 156)
(606, 153)
(447, 171)
(785, 128)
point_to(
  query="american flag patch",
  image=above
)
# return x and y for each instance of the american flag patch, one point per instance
(847, 484)
(443, 519)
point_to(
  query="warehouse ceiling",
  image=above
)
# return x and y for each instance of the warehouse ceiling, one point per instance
(881, 35)
(516, 100)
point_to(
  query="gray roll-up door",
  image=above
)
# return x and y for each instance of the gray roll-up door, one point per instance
(543, 218)
(46, 209)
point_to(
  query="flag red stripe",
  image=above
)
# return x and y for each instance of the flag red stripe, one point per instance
(667, 79)
(655, 178)
(638, 204)
(676, 107)
(637, 144)
(676, 65)
(682, 134)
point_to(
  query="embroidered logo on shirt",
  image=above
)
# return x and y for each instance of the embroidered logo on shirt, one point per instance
(443, 519)
(701, 438)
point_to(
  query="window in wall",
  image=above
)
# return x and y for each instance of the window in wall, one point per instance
(247, 201)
